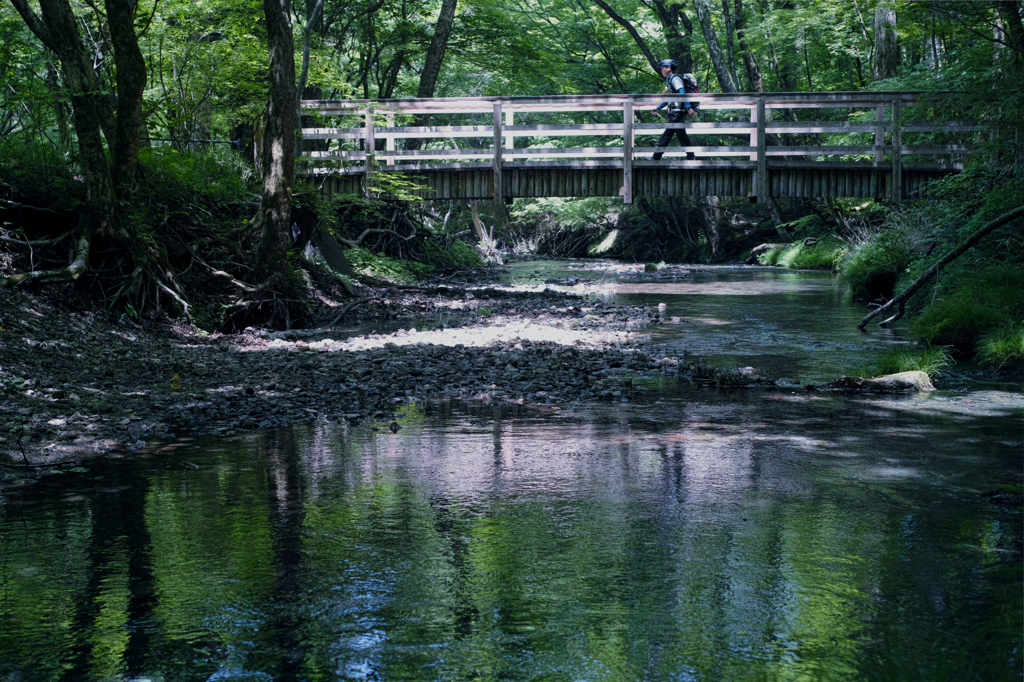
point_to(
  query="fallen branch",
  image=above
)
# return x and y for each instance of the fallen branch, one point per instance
(348, 307)
(231, 278)
(38, 242)
(899, 300)
(368, 231)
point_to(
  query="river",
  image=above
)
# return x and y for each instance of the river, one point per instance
(693, 534)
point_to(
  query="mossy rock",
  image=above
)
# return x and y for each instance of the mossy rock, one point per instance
(650, 267)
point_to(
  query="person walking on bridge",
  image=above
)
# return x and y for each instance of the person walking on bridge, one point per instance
(677, 111)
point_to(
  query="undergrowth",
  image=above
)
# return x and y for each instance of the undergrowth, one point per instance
(823, 253)
(978, 304)
(386, 268)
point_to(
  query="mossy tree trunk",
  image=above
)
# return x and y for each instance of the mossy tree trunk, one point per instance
(274, 218)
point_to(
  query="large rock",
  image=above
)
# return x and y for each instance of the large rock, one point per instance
(903, 382)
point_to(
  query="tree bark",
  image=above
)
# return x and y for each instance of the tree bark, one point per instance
(887, 52)
(58, 30)
(274, 218)
(749, 60)
(435, 53)
(313, 15)
(625, 23)
(1009, 14)
(678, 41)
(131, 83)
(901, 299)
(714, 49)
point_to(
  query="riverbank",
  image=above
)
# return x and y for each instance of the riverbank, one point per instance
(75, 383)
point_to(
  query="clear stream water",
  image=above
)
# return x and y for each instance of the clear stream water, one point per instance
(698, 534)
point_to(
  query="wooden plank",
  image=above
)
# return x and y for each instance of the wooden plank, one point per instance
(879, 131)
(510, 138)
(499, 197)
(389, 141)
(370, 152)
(762, 167)
(627, 153)
(897, 151)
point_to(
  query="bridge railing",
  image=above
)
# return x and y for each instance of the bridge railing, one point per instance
(365, 141)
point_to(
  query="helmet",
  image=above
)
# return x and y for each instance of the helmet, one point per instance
(667, 62)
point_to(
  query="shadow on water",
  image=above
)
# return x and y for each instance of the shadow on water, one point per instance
(706, 535)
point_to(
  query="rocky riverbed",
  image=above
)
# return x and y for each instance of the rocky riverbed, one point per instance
(75, 383)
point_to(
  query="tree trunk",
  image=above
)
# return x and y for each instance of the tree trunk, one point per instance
(312, 16)
(432, 64)
(714, 49)
(1009, 15)
(749, 60)
(678, 41)
(131, 83)
(58, 30)
(730, 52)
(435, 53)
(274, 217)
(887, 52)
(637, 38)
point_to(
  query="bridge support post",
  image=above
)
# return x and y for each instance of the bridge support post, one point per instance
(499, 199)
(879, 133)
(897, 150)
(371, 143)
(761, 175)
(510, 138)
(389, 140)
(627, 153)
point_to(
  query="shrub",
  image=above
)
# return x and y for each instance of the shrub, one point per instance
(821, 254)
(872, 267)
(386, 268)
(771, 256)
(458, 255)
(1003, 348)
(981, 304)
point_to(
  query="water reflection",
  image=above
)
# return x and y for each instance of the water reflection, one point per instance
(711, 536)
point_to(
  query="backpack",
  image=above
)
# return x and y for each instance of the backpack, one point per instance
(690, 85)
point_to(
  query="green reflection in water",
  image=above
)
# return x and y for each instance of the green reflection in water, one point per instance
(734, 538)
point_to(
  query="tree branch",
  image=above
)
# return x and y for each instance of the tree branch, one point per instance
(900, 300)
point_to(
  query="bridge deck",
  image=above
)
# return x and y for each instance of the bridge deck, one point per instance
(860, 154)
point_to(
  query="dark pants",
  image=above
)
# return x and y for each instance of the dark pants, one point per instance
(676, 116)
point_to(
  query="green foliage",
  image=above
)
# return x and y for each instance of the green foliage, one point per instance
(1003, 348)
(822, 254)
(931, 361)
(650, 267)
(386, 268)
(459, 255)
(40, 174)
(983, 302)
(871, 267)
(216, 174)
(771, 256)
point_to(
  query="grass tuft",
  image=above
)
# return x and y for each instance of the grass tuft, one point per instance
(931, 361)
(1003, 348)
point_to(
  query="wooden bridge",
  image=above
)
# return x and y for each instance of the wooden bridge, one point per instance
(857, 150)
